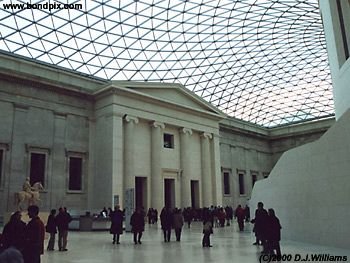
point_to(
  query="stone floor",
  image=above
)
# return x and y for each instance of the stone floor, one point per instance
(229, 245)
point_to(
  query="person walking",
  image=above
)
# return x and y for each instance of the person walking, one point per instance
(62, 220)
(137, 222)
(34, 236)
(117, 224)
(240, 215)
(178, 222)
(260, 226)
(51, 228)
(207, 228)
(187, 214)
(273, 233)
(166, 220)
(247, 213)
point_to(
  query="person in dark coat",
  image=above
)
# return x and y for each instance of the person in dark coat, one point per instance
(260, 226)
(51, 228)
(187, 214)
(247, 213)
(34, 236)
(207, 227)
(150, 215)
(229, 215)
(178, 222)
(117, 224)
(13, 233)
(137, 222)
(166, 220)
(273, 233)
(62, 220)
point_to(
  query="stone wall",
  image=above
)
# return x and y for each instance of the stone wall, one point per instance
(254, 151)
(37, 118)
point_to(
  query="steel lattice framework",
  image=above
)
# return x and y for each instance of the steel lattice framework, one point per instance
(262, 61)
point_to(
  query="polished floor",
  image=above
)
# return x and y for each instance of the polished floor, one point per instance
(229, 245)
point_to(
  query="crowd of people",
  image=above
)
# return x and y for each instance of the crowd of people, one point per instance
(266, 224)
(27, 240)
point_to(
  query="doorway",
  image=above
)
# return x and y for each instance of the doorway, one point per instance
(194, 194)
(169, 193)
(141, 192)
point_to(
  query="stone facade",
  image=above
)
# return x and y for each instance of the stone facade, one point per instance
(251, 152)
(161, 140)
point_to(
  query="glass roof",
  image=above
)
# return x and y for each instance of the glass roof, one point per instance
(261, 61)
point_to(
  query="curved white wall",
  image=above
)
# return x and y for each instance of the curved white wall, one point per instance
(309, 189)
(309, 186)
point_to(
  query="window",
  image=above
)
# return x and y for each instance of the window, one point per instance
(168, 141)
(227, 183)
(241, 183)
(75, 174)
(344, 23)
(254, 178)
(37, 168)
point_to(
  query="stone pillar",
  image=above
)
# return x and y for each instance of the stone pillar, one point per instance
(18, 166)
(107, 178)
(56, 187)
(206, 180)
(185, 164)
(117, 160)
(216, 168)
(157, 192)
(129, 152)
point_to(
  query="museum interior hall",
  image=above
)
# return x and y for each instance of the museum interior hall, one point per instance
(180, 104)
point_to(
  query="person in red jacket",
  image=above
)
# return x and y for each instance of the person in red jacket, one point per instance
(240, 215)
(34, 236)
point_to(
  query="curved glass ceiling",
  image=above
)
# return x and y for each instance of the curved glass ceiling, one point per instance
(262, 61)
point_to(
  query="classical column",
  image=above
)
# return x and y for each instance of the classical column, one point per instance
(216, 168)
(107, 167)
(157, 191)
(207, 198)
(129, 151)
(185, 163)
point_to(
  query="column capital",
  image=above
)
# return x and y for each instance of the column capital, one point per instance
(156, 124)
(206, 135)
(186, 131)
(129, 118)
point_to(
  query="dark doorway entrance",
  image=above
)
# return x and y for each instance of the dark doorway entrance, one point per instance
(194, 193)
(141, 192)
(169, 193)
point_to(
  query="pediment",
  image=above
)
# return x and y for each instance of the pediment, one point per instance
(174, 93)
